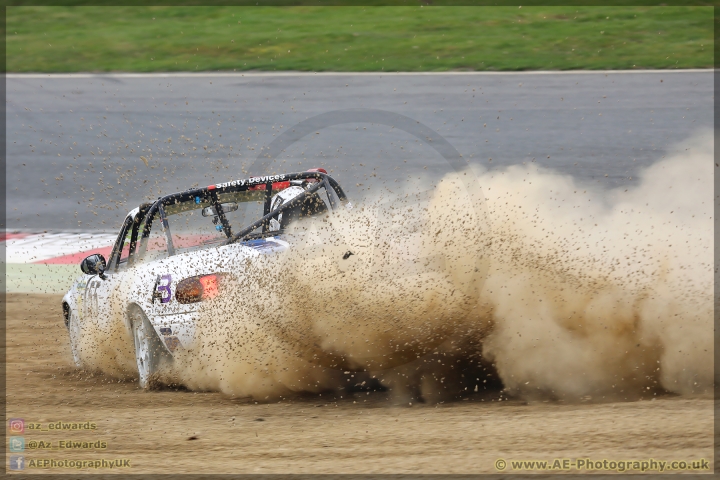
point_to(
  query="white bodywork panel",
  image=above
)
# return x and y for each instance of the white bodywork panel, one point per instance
(108, 300)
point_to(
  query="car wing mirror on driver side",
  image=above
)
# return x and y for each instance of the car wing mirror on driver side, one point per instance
(94, 265)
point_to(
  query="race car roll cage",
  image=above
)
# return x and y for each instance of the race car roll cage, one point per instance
(211, 193)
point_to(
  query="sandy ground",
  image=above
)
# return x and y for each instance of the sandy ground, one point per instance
(171, 431)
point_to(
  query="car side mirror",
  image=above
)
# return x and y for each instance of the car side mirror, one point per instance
(94, 265)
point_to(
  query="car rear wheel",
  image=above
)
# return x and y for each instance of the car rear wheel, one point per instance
(148, 350)
(74, 331)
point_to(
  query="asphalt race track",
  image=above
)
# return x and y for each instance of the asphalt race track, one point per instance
(75, 141)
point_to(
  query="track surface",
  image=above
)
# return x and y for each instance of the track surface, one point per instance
(74, 142)
(321, 434)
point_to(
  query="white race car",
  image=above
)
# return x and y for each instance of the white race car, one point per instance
(173, 254)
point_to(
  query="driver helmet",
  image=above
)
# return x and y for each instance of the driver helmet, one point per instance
(312, 205)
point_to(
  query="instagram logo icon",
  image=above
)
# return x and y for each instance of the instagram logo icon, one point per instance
(17, 425)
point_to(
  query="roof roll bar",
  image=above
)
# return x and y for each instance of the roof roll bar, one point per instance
(266, 219)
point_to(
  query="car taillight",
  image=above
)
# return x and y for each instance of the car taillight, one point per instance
(210, 284)
(195, 289)
(314, 180)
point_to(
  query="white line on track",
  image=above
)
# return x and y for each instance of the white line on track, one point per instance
(331, 74)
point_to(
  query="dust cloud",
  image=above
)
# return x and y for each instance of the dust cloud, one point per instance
(558, 289)
(363, 292)
(603, 294)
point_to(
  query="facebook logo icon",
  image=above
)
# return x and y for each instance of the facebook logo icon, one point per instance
(17, 462)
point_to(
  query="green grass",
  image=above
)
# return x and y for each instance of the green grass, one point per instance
(39, 277)
(158, 39)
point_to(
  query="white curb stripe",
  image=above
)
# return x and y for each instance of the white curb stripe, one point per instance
(37, 248)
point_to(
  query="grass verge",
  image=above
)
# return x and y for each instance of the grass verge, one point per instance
(162, 39)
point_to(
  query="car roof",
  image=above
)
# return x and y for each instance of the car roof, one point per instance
(277, 182)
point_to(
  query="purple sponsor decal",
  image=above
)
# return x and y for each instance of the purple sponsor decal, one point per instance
(164, 289)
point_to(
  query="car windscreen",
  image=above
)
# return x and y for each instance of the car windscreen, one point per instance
(195, 222)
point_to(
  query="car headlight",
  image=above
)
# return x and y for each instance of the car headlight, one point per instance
(198, 288)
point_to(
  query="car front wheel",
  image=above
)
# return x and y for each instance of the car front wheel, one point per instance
(148, 350)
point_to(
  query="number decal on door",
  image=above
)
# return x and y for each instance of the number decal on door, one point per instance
(91, 299)
(164, 288)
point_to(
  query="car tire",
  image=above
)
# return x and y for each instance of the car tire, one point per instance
(148, 349)
(75, 332)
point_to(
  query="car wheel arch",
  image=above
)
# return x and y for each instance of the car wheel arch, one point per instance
(131, 307)
(128, 322)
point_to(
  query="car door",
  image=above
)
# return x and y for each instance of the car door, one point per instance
(98, 295)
